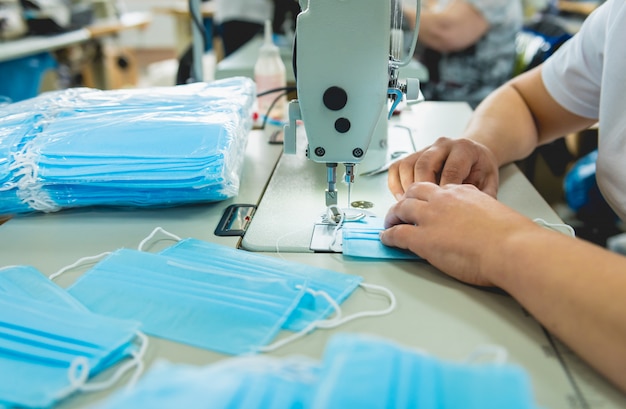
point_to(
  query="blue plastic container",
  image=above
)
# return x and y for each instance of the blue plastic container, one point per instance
(21, 78)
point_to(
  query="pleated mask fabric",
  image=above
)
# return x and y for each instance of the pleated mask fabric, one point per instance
(48, 351)
(218, 309)
(336, 285)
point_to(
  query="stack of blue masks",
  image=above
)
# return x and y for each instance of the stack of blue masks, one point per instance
(211, 296)
(139, 147)
(356, 371)
(50, 346)
(362, 239)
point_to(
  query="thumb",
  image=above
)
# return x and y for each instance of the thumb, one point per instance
(397, 236)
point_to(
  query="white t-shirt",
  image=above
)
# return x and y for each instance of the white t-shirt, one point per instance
(587, 75)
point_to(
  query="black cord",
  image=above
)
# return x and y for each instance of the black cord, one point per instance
(273, 90)
(285, 90)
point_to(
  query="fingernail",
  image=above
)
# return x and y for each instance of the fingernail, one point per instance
(399, 196)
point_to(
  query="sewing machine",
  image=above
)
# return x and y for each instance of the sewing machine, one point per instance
(346, 59)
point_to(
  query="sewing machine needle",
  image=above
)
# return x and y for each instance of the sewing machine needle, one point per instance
(349, 179)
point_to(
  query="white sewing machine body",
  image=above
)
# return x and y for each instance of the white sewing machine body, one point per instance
(344, 71)
(341, 57)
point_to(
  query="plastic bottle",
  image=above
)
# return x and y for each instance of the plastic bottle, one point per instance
(269, 73)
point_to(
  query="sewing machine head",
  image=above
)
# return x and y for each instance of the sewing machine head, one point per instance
(344, 74)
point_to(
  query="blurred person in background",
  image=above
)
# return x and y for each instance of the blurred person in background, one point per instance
(238, 21)
(468, 46)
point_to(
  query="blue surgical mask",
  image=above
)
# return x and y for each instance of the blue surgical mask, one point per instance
(28, 281)
(362, 239)
(219, 309)
(265, 294)
(356, 371)
(49, 351)
(337, 286)
(367, 371)
(251, 382)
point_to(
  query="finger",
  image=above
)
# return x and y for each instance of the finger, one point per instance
(394, 182)
(429, 165)
(459, 164)
(401, 236)
(485, 177)
(421, 191)
(408, 169)
(402, 174)
(392, 218)
(489, 184)
(406, 211)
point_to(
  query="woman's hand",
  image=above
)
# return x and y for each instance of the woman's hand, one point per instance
(457, 228)
(447, 161)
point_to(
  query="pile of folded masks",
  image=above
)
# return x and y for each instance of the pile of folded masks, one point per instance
(160, 146)
(356, 371)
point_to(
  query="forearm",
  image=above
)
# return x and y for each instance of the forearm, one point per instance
(503, 123)
(575, 289)
(519, 116)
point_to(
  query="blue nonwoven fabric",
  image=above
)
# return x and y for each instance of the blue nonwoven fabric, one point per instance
(370, 371)
(337, 285)
(251, 382)
(356, 371)
(225, 310)
(362, 239)
(40, 341)
(141, 147)
(29, 282)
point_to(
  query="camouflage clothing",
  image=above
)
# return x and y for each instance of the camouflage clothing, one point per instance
(471, 74)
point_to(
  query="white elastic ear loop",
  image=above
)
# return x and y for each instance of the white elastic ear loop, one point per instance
(496, 354)
(135, 362)
(78, 263)
(102, 255)
(284, 236)
(78, 372)
(29, 188)
(154, 232)
(342, 218)
(313, 325)
(555, 226)
(392, 306)
(337, 320)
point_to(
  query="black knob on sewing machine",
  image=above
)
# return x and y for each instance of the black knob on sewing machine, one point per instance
(335, 98)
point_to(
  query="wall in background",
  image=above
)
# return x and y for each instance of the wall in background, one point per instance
(161, 32)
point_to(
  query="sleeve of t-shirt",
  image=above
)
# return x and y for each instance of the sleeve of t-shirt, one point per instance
(573, 74)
